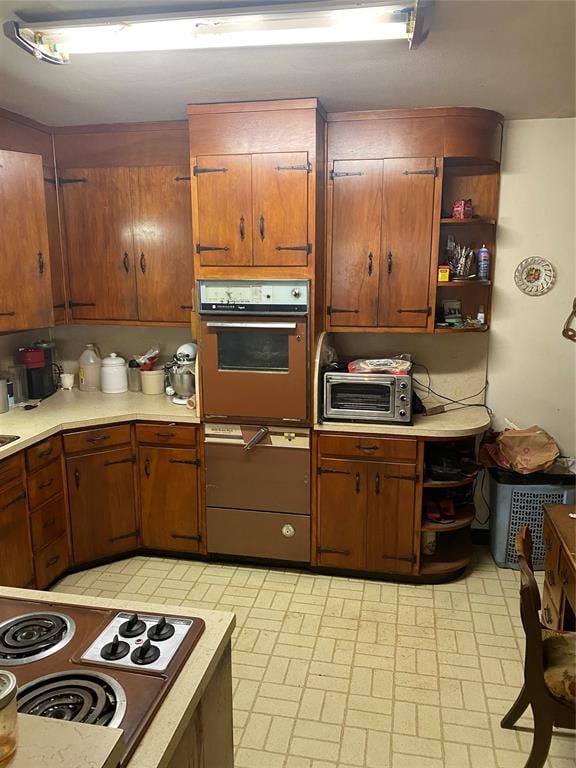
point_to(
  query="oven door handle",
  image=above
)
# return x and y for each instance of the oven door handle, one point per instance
(282, 326)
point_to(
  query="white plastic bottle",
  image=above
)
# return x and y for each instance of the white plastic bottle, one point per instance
(89, 364)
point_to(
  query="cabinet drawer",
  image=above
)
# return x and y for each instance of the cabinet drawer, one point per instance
(10, 470)
(51, 562)
(258, 534)
(567, 579)
(92, 439)
(44, 484)
(166, 434)
(43, 453)
(368, 447)
(48, 522)
(550, 616)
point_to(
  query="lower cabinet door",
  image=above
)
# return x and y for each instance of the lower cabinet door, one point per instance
(169, 498)
(341, 513)
(102, 493)
(16, 568)
(390, 517)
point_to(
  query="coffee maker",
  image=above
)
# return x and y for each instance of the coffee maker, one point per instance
(41, 370)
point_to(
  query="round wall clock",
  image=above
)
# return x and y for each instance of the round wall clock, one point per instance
(534, 276)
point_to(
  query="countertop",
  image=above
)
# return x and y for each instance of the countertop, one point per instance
(166, 729)
(456, 423)
(72, 409)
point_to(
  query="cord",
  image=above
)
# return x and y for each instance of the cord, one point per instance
(428, 389)
(485, 500)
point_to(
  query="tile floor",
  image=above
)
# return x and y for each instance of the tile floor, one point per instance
(348, 673)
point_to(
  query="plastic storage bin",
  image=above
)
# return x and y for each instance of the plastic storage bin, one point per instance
(517, 500)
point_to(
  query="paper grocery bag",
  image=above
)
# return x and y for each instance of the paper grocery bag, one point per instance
(528, 450)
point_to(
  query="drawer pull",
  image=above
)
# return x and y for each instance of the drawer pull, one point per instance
(97, 438)
(288, 531)
(185, 536)
(129, 535)
(46, 483)
(129, 460)
(550, 577)
(77, 478)
(413, 478)
(367, 447)
(377, 483)
(357, 481)
(15, 500)
(328, 551)
(147, 466)
(165, 435)
(47, 452)
(52, 561)
(195, 462)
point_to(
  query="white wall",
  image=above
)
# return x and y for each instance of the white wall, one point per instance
(531, 367)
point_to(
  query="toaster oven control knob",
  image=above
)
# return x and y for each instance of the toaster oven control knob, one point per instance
(296, 293)
(403, 385)
(161, 631)
(133, 627)
(402, 412)
(288, 531)
(403, 398)
(145, 653)
(115, 650)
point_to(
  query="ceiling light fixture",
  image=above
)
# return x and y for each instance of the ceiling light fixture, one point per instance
(327, 22)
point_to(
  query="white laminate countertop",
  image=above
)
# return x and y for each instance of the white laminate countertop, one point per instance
(460, 422)
(72, 409)
(170, 721)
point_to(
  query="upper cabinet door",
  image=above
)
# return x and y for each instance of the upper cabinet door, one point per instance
(355, 242)
(280, 209)
(224, 210)
(162, 242)
(25, 290)
(98, 236)
(408, 205)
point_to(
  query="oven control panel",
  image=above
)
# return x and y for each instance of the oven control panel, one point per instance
(276, 297)
(139, 641)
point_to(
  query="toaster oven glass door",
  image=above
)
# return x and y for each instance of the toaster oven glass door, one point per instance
(360, 398)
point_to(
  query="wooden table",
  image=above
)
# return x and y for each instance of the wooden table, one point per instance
(559, 597)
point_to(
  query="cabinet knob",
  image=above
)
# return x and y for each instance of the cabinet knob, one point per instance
(288, 531)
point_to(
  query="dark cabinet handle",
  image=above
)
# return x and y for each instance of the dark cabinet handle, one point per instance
(184, 536)
(242, 229)
(357, 479)
(377, 483)
(46, 483)
(332, 551)
(262, 228)
(15, 500)
(389, 262)
(7, 314)
(97, 438)
(52, 561)
(77, 478)
(165, 435)
(550, 577)
(129, 535)
(370, 258)
(147, 466)
(142, 263)
(126, 262)
(367, 447)
(47, 452)
(40, 263)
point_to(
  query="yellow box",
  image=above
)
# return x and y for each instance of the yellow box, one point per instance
(443, 274)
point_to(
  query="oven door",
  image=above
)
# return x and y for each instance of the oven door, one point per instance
(255, 369)
(359, 397)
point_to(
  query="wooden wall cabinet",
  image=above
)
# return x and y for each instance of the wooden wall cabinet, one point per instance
(128, 243)
(25, 287)
(102, 494)
(168, 476)
(367, 499)
(257, 179)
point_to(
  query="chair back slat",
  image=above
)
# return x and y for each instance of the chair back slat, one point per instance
(530, 605)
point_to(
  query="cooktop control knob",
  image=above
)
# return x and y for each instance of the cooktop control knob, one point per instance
(145, 653)
(133, 627)
(115, 650)
(295, 292)
(161, 631)
(402, 412)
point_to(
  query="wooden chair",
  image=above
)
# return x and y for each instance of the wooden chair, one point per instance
(549, 665)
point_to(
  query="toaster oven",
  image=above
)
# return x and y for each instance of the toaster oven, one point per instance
(380, 397)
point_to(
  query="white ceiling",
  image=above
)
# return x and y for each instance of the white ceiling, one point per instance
(514, 56)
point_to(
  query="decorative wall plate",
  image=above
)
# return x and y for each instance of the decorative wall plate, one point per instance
(534, 276)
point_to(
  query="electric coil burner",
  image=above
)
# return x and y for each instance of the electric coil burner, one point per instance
(92, 698)
(33, 636)
(93, 665)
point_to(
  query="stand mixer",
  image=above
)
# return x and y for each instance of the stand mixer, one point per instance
(180, 372)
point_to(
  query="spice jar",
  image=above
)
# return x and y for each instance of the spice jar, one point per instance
(8, 714)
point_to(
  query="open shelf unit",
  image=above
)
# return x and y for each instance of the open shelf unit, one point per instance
(463, 518)
(479, 182)
(453, 553)
(450, 483)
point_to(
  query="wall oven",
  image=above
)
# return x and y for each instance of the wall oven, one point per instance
(378, 397)
(254, 350)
